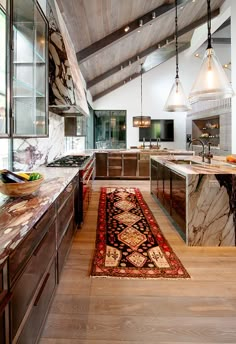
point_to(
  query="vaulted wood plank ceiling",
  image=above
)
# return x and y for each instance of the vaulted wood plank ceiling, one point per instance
(107, 56)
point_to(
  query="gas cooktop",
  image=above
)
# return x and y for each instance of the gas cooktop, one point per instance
(69, 161)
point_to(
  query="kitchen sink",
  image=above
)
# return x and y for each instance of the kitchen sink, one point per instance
(184, 162)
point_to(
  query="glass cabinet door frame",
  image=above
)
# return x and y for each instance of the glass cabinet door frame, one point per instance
(6, 133)
(12, 116)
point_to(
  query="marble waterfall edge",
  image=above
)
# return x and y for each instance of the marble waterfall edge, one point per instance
(211, 210)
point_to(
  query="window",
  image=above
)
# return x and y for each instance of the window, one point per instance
(110, 129)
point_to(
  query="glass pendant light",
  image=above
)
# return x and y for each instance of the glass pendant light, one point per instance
(176, 101)
(141, 121)
(212, 82)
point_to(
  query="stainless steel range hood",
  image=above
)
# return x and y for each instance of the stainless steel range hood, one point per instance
(66, 92)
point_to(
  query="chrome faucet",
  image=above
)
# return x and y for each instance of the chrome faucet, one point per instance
(203, 147)
(209, 155)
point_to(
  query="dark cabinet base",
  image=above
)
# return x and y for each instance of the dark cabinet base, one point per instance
(36, 318)
(169, 189)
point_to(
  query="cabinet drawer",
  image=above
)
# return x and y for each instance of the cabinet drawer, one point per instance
(4, 300)
(64, 247)
(2, 328)
(1, 280)
(115, 162)
(115, 155)
(26, 286)
(115, 172)
(64, 195)
(34, 323)
(64, 216)
(22, 253)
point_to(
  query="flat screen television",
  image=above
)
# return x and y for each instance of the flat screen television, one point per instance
(162, 129)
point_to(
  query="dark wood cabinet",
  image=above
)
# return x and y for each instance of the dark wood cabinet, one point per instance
(65, 224)
(64, 247)
(30, 332)
(64, 216)
(178, 199)
(23, 252)
(4, 328)
(143, 168)
(167, 183)
(26, 286)
(115, 165)
(154, 178)
(4, 307)
(169, 187)
(101, 164)
(130, 165)
(29, 277)
(160, 183)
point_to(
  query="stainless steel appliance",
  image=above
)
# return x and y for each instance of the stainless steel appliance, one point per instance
(85, 163)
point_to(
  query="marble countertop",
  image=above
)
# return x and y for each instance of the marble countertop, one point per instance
(218, 165)
(19, 215)
(133, 150)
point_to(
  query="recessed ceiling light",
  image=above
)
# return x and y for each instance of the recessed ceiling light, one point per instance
(126, 29)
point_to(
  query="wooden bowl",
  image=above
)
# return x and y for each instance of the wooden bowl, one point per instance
(20, 189)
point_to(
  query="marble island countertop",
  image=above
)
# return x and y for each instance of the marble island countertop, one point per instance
(186, 165)
(133, 150)
(19, 215)
(204, 198)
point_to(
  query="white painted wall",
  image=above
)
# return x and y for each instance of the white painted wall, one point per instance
(233, 53)
(156, 86)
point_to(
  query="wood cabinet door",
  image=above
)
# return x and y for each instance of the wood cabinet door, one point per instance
(64, 247)
(30, 332)
(101, 164)
(178, 202)
(27, 284)
(154, 177)
(167, 188)
(160, 182)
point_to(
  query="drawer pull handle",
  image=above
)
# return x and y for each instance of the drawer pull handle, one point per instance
(40, 244)
(41, 290)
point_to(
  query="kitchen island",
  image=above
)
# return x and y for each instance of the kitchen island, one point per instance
(129, 163)
(199, 198)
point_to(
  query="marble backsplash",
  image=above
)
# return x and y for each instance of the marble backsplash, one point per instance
(29, 153)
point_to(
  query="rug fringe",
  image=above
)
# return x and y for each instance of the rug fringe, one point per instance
(144, 278)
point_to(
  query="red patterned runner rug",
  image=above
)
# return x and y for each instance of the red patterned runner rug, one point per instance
(129, 241)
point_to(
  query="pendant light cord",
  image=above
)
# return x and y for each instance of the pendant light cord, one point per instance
(176, 41)
(209, 24)
(141, 91)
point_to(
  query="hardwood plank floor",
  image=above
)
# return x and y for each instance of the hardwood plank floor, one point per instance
(89, 310)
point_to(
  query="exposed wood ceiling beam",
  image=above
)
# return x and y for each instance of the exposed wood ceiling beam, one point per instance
(115, 36)
(151, 49)
(169, 55)
(221, 40)
(118, 84)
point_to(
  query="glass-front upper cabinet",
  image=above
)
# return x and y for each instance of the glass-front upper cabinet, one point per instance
(3, 71)
(29, 69)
